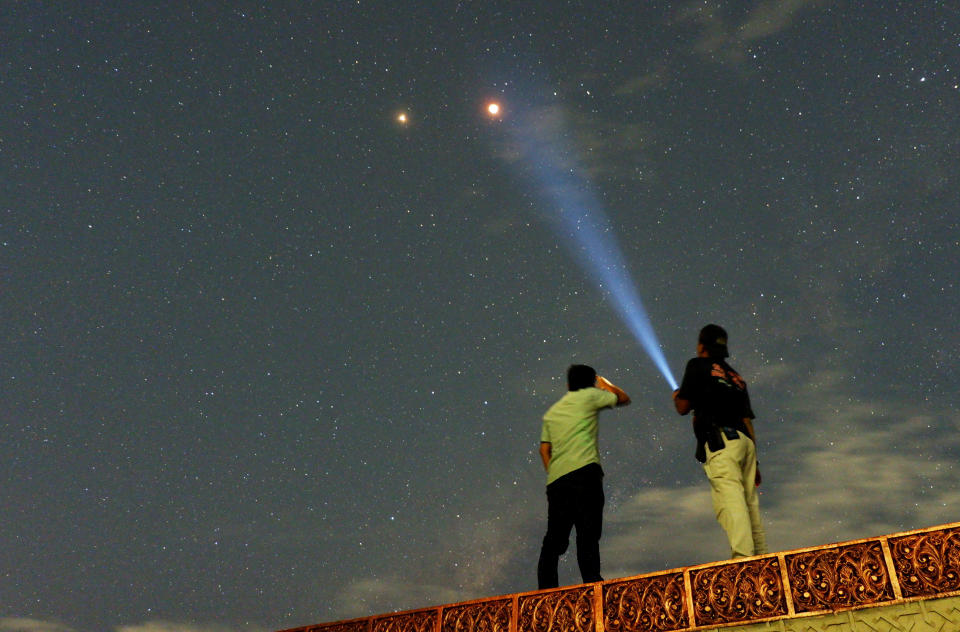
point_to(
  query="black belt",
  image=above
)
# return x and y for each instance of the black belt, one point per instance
(714, 442)
(730, 433)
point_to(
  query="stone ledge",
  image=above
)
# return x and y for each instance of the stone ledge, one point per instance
(846, 576)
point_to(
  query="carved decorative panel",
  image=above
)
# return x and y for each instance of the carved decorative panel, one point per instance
(557, 611)
(653, 604)
(828, 579)
(933, 615)
(927, 563)
(424, 621)
(852, 586)
(486, 616)
(739, 591)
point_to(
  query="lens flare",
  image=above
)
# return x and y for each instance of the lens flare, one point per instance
(587, 231)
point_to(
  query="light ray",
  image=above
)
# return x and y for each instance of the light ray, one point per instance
(586, 230)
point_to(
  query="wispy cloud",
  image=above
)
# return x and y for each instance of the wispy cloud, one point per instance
(722, 38)
(390, 592)
(727, 40)
(769, 18)
(24, 624)
(643, 82)
(854, 469)
(851, 468)
(478, 558)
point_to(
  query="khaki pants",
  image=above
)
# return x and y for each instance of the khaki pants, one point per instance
(731, 472)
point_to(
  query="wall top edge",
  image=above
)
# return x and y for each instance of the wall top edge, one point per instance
(685, 569)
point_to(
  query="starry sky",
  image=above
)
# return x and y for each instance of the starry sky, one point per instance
(283, 302)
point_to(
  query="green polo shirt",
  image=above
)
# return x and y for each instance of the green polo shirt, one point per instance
(570, 427)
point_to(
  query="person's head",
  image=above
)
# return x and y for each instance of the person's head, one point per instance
(580, 376)
(713, 341)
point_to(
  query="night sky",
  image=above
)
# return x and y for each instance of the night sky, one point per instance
(283, 302)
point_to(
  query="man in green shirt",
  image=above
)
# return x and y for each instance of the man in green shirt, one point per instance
(568, 447)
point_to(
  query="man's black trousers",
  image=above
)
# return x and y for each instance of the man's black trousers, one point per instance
(573, 500)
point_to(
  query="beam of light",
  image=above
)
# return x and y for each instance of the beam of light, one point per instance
(579, 219)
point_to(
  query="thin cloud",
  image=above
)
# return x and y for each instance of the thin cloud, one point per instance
(858, 469)
(391, 592)
(576, 144)
(769, 18)
(727, 41)
(24, 624)
(477, 560)
(641, 84)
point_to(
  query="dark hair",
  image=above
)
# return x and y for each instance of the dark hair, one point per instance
(714, 340)
(580, 376)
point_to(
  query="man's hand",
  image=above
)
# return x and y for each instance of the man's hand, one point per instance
(683, 406)
(546, 453)
(622, 398)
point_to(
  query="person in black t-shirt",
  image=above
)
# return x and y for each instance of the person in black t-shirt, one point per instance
(726, 444)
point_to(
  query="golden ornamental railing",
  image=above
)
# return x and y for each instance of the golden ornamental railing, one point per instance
(912, 565)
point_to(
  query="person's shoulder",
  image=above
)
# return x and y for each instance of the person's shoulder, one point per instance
(734, 372)
(558, 403)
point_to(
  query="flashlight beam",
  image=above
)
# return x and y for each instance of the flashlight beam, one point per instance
(588, 233)
(595, 246)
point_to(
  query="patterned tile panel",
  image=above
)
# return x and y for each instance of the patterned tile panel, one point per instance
(423, 621)
(935, 615)
(486, 616)
(737, 591)
(927, 563)
(558, 611)
(888, 571)
(842, 577)
(654, 604)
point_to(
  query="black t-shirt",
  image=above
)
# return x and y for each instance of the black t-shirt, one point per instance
(718, 396)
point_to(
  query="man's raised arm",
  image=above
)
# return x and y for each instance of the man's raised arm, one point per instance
(622, 398)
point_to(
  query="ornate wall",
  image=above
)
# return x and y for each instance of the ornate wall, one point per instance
(933, 615)
(906, 581)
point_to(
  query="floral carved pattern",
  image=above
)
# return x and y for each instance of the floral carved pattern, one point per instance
(487, 616)
(742, 591)
(653, 604)
(557, 611)
(927, 563)
(843, 577)
(425, 621)
(890, 571)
